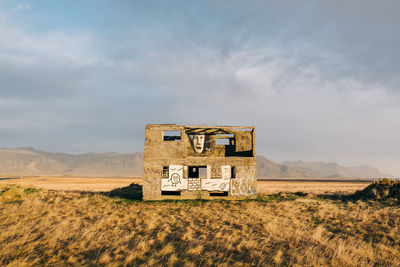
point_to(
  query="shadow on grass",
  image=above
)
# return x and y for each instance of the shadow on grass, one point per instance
(356, 197)
(135, 192)
(131, 192)
(385, 191)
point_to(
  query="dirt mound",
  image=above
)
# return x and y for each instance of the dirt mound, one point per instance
(380, 190)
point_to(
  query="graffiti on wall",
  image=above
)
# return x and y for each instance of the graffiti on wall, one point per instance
(175, 180)
(218, 184)
(215, 172)
(150, 173)
(215, 184)
(243, 186)
(237, 186)
(201, 143)
(226, 171)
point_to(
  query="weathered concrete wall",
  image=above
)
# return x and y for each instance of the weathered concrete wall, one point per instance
(179, 155)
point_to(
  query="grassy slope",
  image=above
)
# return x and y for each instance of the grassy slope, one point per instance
(59, 228)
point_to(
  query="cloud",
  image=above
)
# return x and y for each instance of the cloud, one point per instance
(315, 87)
(42, 65)
(298, 111)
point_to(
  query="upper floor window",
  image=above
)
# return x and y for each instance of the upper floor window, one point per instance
(225, 139)
(222, 141)
(171, 135)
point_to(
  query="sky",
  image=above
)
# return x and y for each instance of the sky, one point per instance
(320, 80)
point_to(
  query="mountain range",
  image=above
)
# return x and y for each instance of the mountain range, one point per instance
(29, 161)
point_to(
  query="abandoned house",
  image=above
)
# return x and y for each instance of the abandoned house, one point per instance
(189, 162)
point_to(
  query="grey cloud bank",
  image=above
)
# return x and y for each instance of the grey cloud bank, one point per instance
(320, 82)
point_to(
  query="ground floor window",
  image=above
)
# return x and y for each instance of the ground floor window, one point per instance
(164, 172)
(197, 171)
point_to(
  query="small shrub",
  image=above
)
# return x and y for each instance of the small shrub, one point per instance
(30, 190)
(385, 181)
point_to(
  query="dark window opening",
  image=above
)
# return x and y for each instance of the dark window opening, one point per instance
(231, 143)
(164, 172)
(193, 172)
(218, 194)
(230, 151)
(197, 171)
(233, 172)
(170, 193)
(171, 135)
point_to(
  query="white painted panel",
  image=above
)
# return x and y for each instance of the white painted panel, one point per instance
(215, 184)
(175, 171)
(175, 180)
(226, 171)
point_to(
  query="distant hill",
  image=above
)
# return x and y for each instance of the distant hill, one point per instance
(29, 161)
(332, 169)
(267, 168)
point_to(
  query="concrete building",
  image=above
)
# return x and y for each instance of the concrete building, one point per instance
(190, 162)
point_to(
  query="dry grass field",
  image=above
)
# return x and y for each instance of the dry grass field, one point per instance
(274, 187)
(106, 184)
(59, 228)
(89, 184)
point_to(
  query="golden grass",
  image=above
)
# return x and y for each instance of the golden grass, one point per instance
(274, 187)
(106, 184)
(57, 228)
(90, 184)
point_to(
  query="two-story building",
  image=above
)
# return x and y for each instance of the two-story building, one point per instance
(189, 162)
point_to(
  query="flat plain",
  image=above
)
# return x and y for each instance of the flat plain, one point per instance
(76, 223)
(97, 184)
(87, 184)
